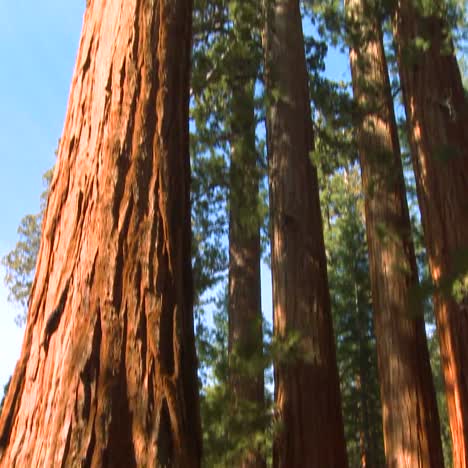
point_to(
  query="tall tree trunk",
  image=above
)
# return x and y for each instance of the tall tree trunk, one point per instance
(107, 373)
(307, 391)
(410, 417)
(367, 437)
(245, 314)
(437, 114)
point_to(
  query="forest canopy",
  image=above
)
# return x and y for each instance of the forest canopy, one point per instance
(221, 150)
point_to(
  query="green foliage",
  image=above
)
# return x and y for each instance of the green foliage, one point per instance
(209, 222)
(20, 263)
(333, 108)
(348, 269)
(460, 286)
(457, 21)
(436, 365)
(463, 63)
(225, 68)
(227, 51)
(228, 430)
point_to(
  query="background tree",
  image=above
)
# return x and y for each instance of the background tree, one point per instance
(244, 301)
(407, 391)
(20, 263)
(346, 247)
(227, 151)
(348, 268)
(311, 430)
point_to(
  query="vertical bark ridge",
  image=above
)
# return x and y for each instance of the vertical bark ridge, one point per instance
(410, 417)
(307, 390)
(119, 372)
(437, 115)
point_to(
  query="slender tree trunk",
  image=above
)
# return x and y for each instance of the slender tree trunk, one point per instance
(368, 446)
(437, 114)
(306, 384)
(107, 373)
(372, 453)
(410, 417)
(245, 314)
(368, 457)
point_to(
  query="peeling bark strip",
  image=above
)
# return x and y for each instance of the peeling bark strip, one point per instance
(410, 418)
(307, 391)
(112, 297)
(437, 113)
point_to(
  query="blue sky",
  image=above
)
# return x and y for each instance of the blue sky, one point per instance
(38, 46)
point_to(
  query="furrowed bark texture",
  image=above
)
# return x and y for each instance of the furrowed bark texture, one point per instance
(437, 114)
(307, 392)
(410, 418)
(245, 314)
(107, 373)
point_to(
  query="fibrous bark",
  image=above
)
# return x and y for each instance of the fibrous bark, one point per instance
(437, 116)
(107, 373)
(307, 392)
(410, 417)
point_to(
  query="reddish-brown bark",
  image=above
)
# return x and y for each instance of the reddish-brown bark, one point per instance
(107, 373)
(437, 114)
(410, 418)
(307, 392)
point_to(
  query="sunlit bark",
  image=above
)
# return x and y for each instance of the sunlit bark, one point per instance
(410, 417)
(437, 114)
(107, 373)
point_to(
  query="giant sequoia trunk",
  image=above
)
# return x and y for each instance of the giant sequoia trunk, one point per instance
(437, 113)
(410, 418)
(306, 384)
(245, 315)
(107, 373)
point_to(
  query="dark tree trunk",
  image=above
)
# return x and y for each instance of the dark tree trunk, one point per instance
(245, 314)
(107, 373)
(369, 437)
(306, 385)
(437, 114)
(410, 417)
